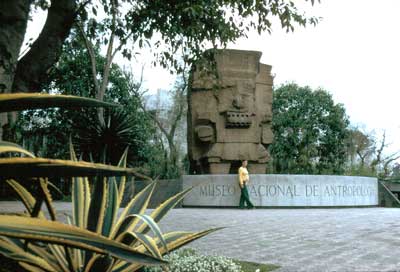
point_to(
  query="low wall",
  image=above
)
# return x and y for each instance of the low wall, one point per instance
(282, 190)
(164, 190)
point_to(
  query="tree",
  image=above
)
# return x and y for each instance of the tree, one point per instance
(360, 147)
(310, 131)
(167, 113)
(128, 126)
(173, 24)
(24, 74)
(368, 155)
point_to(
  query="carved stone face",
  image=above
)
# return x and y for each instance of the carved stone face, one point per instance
(236, 103)
(232, 122)
(242, 96)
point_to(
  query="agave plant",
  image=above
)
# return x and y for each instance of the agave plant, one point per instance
(95, 237)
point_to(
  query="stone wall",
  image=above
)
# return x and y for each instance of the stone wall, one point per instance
(283, 191)
(389, 193)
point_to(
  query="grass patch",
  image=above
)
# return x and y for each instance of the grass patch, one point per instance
(251, 267)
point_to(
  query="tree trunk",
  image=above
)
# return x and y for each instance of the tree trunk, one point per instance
(173, 153)
(13, 21)
(33, 68)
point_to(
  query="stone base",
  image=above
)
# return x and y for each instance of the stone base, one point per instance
(282, 191)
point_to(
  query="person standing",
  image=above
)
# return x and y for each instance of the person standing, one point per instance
(243, 180)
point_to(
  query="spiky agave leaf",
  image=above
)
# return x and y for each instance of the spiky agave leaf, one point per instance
(81, 198)
(97, 211)
(121, 180)
(10, 250)
(25, 196)
(112, 207)
(164, 208)
(29, 101)
(38, 250)
(132, 238)
(174, 241)
(98, 206)
(9, 147)
(150, 223)
(56, 233)
(48, 200)
(137, 205)
(40, 167)
(56, 257)
(122, 228)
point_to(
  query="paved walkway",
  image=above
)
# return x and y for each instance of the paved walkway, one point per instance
(364, 239)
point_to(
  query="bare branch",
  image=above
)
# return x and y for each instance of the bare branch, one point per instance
(137, 91)
(379, 152)
(109, 55)
(92, 56)
(122, 43)
(82, 6)
(180, 110)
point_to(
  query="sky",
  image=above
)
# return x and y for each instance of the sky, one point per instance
(353, 53)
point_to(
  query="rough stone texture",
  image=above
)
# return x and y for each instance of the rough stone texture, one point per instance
(230, 117)
(282, 190)
(362, 239)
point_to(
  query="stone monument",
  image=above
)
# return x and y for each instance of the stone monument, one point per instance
(229, 120)
(230, 114)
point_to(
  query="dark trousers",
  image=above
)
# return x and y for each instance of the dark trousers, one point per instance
(244, 198)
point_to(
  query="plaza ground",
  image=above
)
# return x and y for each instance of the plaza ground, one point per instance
(348, 239)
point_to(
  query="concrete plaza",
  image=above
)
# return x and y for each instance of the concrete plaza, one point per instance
(363, 239)
(349, 239)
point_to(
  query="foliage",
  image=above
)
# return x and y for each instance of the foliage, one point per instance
(31, 166)
(168, 26)
(367, 154)
(359, 170)
(188, 260)
(167, 110)
(95, 238)
(105, 141)
(23, 101)
(310, 131)
(43, 131)
(95, 227)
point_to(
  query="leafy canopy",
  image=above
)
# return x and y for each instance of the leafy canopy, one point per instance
(310, 131)
(72, 76)
(168, 25)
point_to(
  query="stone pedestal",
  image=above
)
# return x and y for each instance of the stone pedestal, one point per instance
(282, 191)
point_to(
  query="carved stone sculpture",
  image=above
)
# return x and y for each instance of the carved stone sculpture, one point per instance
(229, 117)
